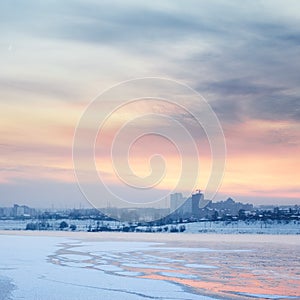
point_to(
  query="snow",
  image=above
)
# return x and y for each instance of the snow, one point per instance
(109, 248)
(76, 257)
(145, 266)
(6, 287)
(128, 273)
(67, 265)
(109, 268)
(243, 227)
(200, 266)
(218, 227)
(25, 262)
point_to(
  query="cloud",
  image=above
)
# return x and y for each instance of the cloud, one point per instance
(276, 107)
(241, 87)
(243, 57)
(240, 99)
(104, 21)
(38, 87)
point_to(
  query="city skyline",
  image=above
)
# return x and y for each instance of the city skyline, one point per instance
(244, 63)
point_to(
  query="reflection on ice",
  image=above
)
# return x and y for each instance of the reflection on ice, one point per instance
(110, 268)
(178, 275)
(267, 296)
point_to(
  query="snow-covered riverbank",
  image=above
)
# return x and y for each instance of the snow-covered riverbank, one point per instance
(218, 227)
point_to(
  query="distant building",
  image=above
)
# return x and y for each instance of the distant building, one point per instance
(186, 208)
(229, 206)
(197, 198)
(176, 200)
(189, 207)
(22, 210)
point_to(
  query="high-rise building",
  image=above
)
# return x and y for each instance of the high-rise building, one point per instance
(197, 198)
(176, 200)
(186, 207)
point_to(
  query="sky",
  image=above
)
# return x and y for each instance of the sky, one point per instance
(241, 56)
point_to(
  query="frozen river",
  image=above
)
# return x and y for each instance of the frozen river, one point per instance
(66, 265)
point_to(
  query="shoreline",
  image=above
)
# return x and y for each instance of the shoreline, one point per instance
(163, 237)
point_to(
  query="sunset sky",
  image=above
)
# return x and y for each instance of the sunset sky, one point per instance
(243, 57)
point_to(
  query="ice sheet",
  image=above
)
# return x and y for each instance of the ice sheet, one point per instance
(136, 267)
(37, 278)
